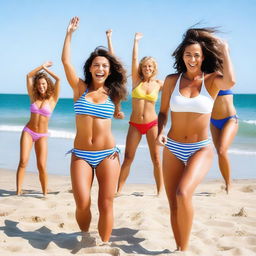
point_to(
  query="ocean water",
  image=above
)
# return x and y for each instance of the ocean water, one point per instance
(14, 114)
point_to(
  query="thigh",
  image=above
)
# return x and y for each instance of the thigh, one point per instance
(41, 149)
(215, 135)
(26, 144)
(132, 141)
(228, 132)
(81, 178)
(151, 139)
(197, 167)
(107, 173)
(173, 170)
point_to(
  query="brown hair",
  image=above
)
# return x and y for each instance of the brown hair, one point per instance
(116, 81)
(50, 86)
(205, 38)
(143, 60)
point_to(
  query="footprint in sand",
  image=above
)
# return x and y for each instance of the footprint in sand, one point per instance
(248, 189)
(37, 219)
(241, 213)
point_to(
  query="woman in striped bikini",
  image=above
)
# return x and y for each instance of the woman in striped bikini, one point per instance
(143, 118)
(224, 127)
(96, 100)
(43, 97)
(204, 67)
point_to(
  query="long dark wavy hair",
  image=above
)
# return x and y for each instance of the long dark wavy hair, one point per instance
(50, 87)
(205, 38)
(116, 81)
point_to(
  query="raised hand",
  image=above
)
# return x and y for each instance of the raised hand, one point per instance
(47, 64)
(109, 32)
(73, 24)
(138, 36)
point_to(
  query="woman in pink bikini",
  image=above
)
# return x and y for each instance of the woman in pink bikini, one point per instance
(43, 95)
(143, 119)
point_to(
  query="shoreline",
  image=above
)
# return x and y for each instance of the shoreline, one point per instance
(32, 224)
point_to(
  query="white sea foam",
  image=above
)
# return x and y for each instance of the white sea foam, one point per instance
(236, 151)
(250, 121)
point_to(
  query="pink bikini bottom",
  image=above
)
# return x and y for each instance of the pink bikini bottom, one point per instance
(35, 135)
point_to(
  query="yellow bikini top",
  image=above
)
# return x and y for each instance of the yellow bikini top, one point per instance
(138, 93)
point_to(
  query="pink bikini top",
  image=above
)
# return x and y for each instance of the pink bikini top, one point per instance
(44, 111)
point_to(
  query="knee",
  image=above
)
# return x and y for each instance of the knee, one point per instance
(222, 151)
(105, 204)
(83, 207)
(41, 167)
(23, 163)
(128, 157)
(156, 159)
(182, 196)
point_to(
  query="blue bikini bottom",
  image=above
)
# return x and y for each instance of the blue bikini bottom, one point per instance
(219, 123)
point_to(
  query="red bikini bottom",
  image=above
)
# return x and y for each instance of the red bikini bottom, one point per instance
(143, 128)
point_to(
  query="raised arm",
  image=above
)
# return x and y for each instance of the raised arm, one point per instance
(164, 109)
(30, 77)
(55, 77)
(72, 78)
(227, 80)
(109, 39)
(135, 60)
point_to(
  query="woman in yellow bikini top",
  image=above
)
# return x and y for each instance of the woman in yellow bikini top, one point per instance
(143, 119)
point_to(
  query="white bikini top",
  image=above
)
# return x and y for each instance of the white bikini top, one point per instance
(203, 103)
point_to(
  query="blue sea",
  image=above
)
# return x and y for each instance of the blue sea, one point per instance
(14, 114)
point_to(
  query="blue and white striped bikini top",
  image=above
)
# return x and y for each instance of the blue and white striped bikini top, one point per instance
(203, 103)
(102, 110)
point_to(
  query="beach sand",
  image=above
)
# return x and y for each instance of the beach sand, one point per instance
(35, 225)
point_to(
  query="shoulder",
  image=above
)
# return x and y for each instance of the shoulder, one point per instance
(171, 79)
(210, 83)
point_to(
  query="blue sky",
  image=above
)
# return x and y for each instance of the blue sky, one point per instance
(32, 32)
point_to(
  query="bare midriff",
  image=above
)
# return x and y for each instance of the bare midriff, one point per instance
(38, 123)
(93, 133)
(143, 111)
(187, 127)
(223, 107)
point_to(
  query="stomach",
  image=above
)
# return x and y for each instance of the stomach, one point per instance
(223, 107)
(93, 133)
(143, 111)
(189, 127)
(38, 123)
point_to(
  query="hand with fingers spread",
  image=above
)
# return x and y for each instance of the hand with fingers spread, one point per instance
(73, 24)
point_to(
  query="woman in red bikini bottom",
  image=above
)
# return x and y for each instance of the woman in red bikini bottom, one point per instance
(143, 119)
(43, 95)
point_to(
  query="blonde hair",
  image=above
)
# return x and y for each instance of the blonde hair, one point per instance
(143, 60)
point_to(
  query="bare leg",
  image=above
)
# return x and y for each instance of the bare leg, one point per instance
(82, 178)
(222, 140)
(173, 169)
(41, 157)
(155, 157)
(26, 144)
(132, 141)
(196, 169)
(107, 174)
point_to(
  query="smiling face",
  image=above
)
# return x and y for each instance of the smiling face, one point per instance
(100, 69)
(148, 69)
(42, 86)
(193, 58)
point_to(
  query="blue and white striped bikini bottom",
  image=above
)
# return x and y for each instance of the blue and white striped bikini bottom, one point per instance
(93, 158)
(184, 151)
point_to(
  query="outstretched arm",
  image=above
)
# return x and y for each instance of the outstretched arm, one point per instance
(135, 61)
(109, 39)
(57, 79)
(227, 80)
(72, 78)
